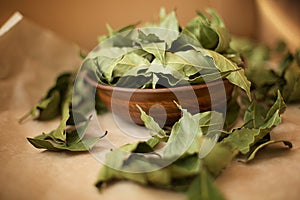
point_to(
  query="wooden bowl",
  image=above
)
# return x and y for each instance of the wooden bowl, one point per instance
(160, 102)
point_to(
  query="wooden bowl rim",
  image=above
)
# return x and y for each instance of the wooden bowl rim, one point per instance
(157, 90)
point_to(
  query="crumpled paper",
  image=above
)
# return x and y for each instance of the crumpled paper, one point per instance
(30, 59)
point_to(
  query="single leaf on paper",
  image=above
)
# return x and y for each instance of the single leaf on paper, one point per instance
(245, 137)
(69, 135)
(50, 106)
(254, 152)
(83, 145)
(75, 140)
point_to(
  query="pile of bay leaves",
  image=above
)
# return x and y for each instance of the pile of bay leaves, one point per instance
(201, 51)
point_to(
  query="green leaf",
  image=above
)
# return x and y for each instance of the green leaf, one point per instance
(169, 21)
(83, 145)
(127, 63)
(69, 135)
(223, 34)
(184, 42)
(120, 165)
(219, 157)
(193, 58)
(186, 167)
(279, 106)
(208, 37)
(137, 147)
(78, 134)
(146, 39)
(121, 37)
(46, 109)
(205, 78)
(216, 19)
(152, 142)
(209, 124)
(50, 106)
(253, 153)
(238, 77)
(182, 135)
(155, 129)
(211, 33)
(232, 112)
(106, 66)
(291, 90)
(76, 117)
(59, 133)
(172, 76)
(254, 115)
(224, 39)
(242, 139)
(203, 188)
(201, 29)
(44, 144)
(158, 49)
(188, 63)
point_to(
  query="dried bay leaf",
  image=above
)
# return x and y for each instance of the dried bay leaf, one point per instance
(254, 152)
(238, 77)
(203, 188)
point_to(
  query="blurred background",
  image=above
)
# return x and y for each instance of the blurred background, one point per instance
(82, 21)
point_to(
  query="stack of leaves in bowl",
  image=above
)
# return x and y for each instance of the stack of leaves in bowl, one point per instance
(154, 57)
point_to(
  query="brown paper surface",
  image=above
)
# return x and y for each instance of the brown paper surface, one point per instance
(30, 59)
